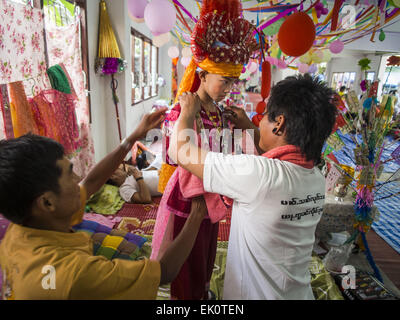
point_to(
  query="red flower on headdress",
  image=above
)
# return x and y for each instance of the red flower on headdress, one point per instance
(221, 35)
(393, 61)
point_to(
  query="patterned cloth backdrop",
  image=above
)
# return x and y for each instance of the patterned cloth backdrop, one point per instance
(21, 42)
(63, 46)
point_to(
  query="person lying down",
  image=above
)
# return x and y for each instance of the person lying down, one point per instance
(138, 185)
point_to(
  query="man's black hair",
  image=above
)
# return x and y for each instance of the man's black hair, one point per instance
(28, 168)
(342, 88)
(308, 106)
(141, 161)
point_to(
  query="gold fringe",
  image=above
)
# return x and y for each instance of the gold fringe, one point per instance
(108, 47)
(165, 173)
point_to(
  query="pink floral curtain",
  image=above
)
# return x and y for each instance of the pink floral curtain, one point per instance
(63, 46)
(22, 54)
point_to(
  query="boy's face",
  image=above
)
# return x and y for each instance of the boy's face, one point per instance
(217, 86)
(68, 200)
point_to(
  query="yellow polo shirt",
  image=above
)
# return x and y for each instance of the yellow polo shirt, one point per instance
(42, 264)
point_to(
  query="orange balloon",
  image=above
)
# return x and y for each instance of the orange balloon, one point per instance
(297, 34)
(261, 107)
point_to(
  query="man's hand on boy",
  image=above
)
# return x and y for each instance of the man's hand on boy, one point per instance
(190, 103)
(238, 117)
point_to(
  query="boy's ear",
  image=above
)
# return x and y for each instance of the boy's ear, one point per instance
(202, 75)
(46, 202)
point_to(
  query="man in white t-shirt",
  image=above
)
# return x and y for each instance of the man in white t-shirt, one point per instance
(278, 196)
(137, 186)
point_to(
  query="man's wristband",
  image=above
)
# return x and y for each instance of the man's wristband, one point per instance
(137, 179)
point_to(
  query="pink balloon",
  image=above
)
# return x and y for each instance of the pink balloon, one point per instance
(303, 68)
(312, 69)
(269, 59)
(274, 61)
(160, 16)
(252, 67)
(281, 64)
(336, 46)
(136, 8)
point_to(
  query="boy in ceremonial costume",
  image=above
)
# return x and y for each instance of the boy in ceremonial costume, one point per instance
(221, 44)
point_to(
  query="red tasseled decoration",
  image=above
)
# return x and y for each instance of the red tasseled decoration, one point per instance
(232, 8)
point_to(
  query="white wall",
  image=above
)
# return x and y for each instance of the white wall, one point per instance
(104, 123)
(348, 62)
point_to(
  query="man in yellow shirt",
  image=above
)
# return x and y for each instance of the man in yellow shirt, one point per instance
(40, 255)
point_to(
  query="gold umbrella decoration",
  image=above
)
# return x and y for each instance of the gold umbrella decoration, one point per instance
(109, 61)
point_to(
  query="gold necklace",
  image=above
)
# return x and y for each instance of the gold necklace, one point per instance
(216, 124)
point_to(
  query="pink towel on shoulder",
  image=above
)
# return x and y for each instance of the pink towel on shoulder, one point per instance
(191, 186)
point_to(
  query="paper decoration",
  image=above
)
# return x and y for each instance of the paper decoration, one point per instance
(330, 180)
(396, 155)
(352, 101)
(335, 141)
(361, 156)
(366, 176)
(346, 129)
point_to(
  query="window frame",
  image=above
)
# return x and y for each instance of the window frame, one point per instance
(351, 77)
(137, 34)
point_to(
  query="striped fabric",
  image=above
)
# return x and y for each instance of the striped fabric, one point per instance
(112, 243)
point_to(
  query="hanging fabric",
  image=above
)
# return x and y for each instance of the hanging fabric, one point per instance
(54, 113)
(21, 113)
(64, 48)
(58, 79)
(22, 53)
(6, 112)
(45, 117)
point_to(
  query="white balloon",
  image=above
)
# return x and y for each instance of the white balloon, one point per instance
(186, 52)
(173, 52)
(162, 39)
(138, 20)
(185, 61)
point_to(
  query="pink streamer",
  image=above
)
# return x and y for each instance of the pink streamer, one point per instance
(184, 10)
(276, 18)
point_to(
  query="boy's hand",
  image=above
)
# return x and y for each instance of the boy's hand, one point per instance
(150, 121)
(190, 103)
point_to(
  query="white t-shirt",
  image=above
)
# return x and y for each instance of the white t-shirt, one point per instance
(277, 206)
(130, 186)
